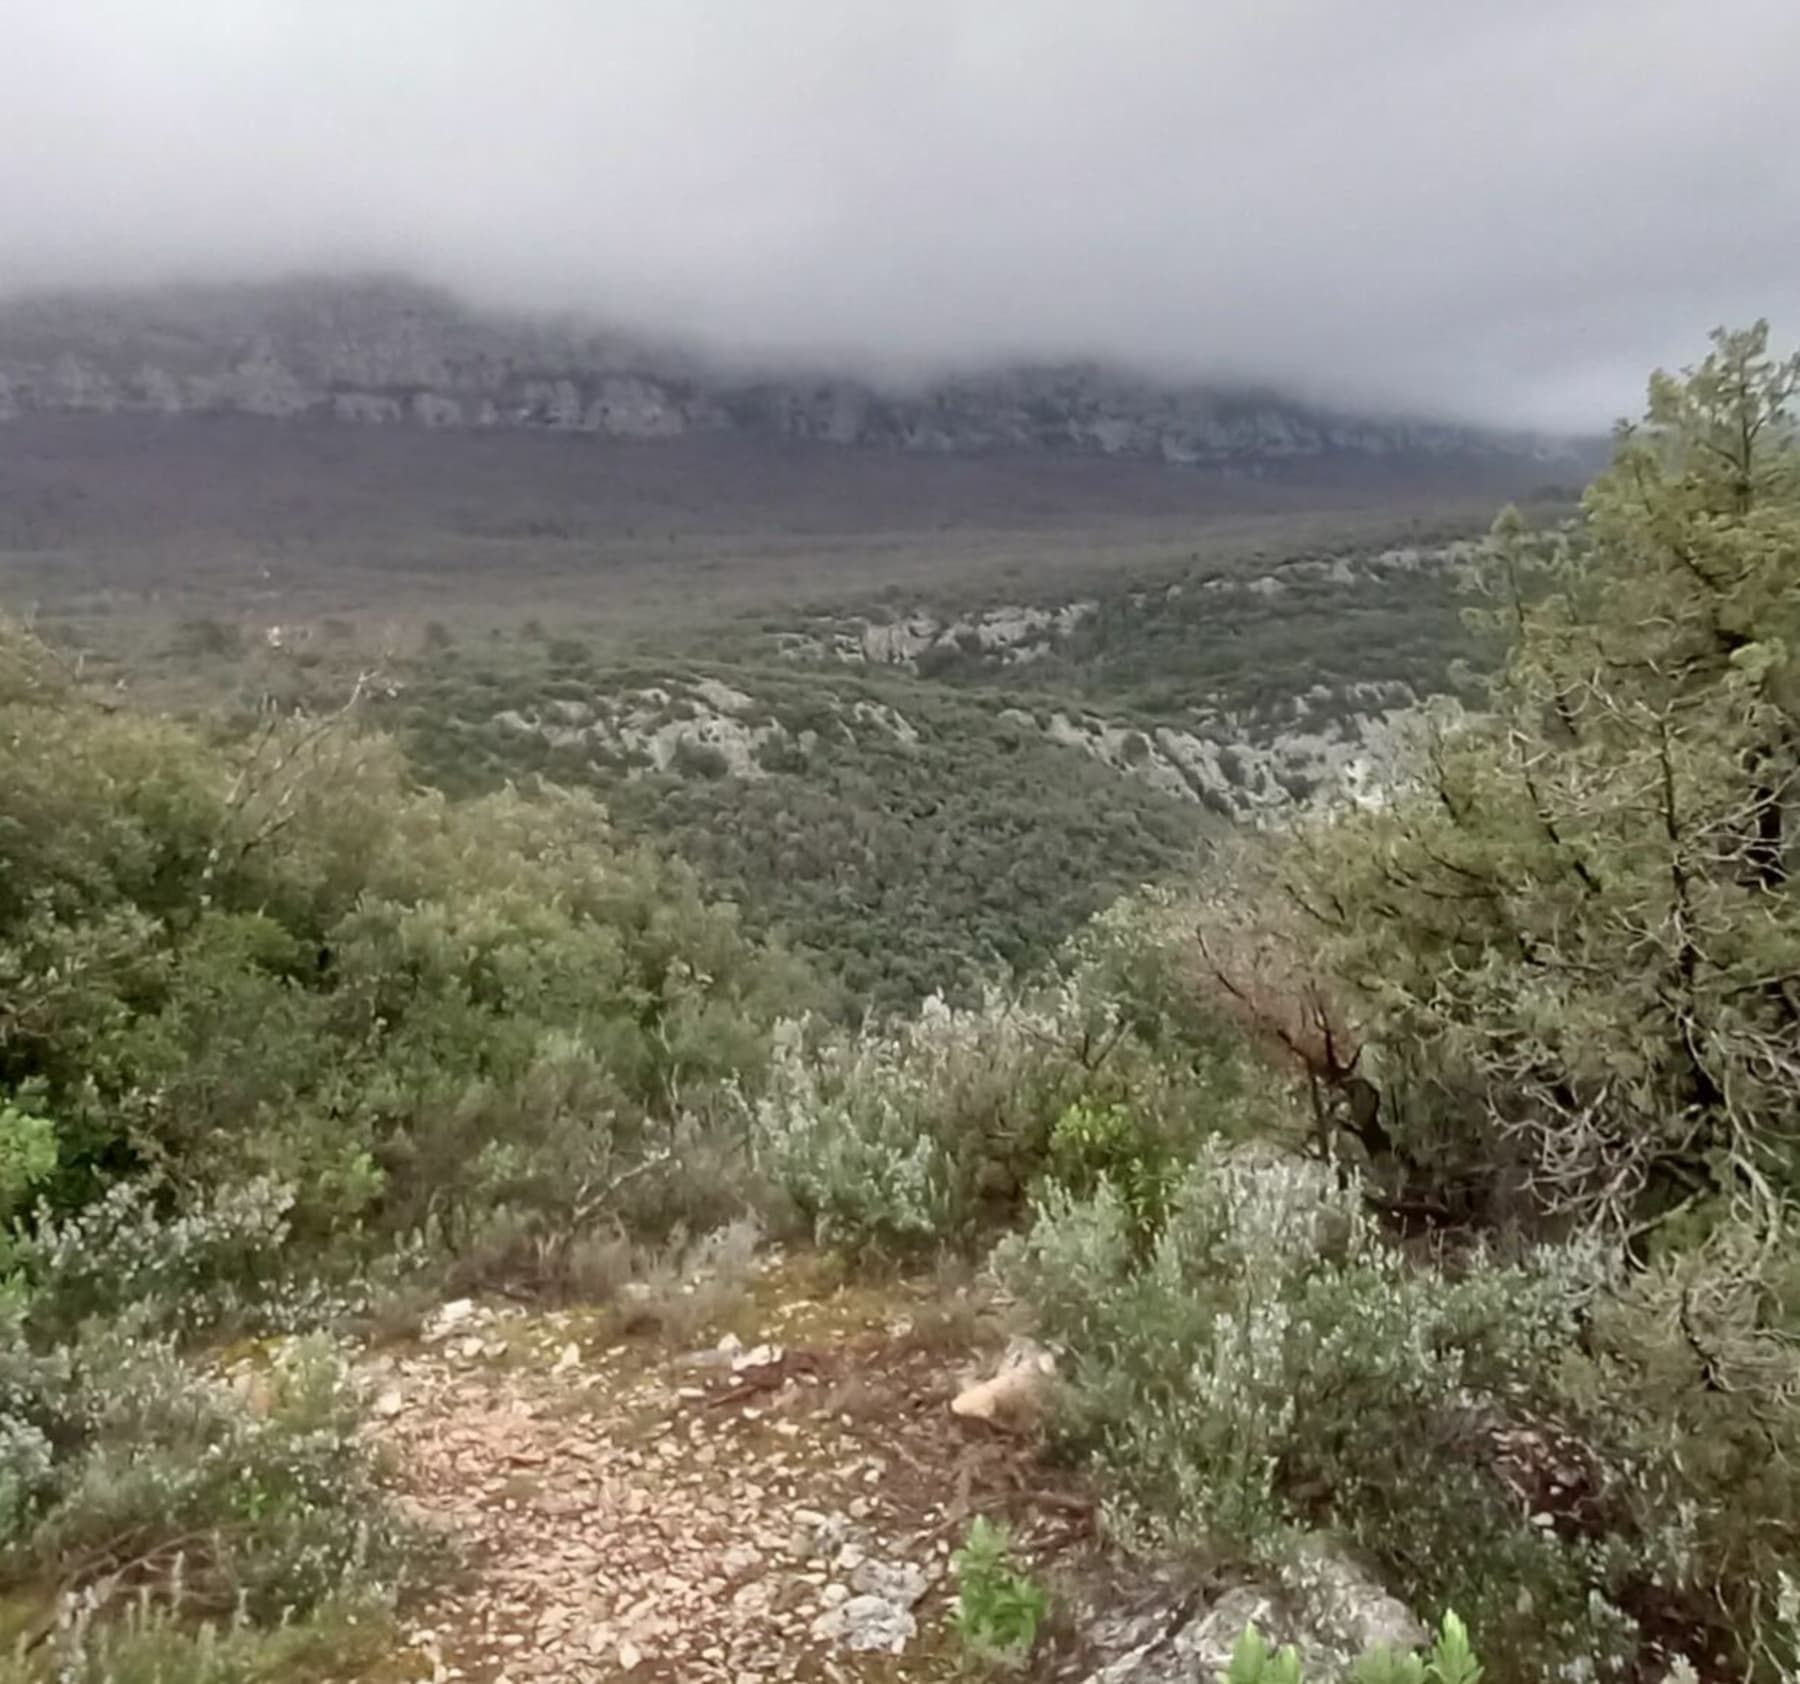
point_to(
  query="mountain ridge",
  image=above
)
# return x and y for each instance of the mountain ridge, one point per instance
(382, 350)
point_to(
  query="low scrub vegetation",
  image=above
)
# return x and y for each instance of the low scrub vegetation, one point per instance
(278, 1030)
(932, 1130)
(1270, 1365)
(899, 865)
(278, 964)
(146, 1501)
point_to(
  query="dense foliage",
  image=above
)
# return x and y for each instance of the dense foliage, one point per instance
(933, 858)
(277, 1027)
(278, 959)
(1450, 1660)
(1539, 1008)
(933, 1130)
(1271, 1365)
(1199, 641)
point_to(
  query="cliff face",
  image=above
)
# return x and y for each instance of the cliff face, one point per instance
(385, 352)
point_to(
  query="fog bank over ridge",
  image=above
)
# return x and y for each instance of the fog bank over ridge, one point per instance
(382, 351)
(1503, 214)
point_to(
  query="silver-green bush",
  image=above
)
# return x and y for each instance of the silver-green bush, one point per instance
(1271, 1363)
(932, 1130)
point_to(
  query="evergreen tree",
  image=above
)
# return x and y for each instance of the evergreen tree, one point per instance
(1583, 913)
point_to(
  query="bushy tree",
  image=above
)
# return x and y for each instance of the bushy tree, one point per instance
(1575, 940)
(224, 961)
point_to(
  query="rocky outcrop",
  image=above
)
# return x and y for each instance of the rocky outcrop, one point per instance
(1327, 1605)
(699, 727)
(1011, 635)
(1223, 766)
(380, 351)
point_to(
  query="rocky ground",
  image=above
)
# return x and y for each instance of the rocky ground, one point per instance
(777, 1500)
(740, 1511)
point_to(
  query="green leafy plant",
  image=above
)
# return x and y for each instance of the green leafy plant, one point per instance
(1254, 1662)
(152, 1641)
(926, 1130)
(1570, 921)
(1272, 1364)
(1451, 1660)
(1452, 1657)
(937, 1127)
(278, 962)
(1383, 1665)
(259, 1504)
(1092, 1143)
(28, 1156)
(999, 1606)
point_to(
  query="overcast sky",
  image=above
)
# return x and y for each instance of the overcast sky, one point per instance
(1507, 208)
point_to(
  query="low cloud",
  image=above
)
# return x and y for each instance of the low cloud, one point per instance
(1504, 211)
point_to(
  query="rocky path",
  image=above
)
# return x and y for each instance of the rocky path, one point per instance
(778, 1503)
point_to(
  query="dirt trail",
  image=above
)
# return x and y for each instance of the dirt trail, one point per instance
(778, 1505)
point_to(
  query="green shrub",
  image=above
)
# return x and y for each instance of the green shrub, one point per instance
(125, 1470)
(278, 964)
(999, 1606)
(156, 1642)
(1451, 1661)
(28, 1157)
(696, 759)
(1693, 1368)
(1143, 955)
(568, 652)
(1254, 1662)
(217, 1260)
(1091, 1144)
(979, 848)
(1580, 916)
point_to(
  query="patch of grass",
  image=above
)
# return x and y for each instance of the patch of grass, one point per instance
(685, 1288)
(157, 1643)
(954, 1313)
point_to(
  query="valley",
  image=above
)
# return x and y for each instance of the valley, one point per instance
(920, 703)
(919, 719)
